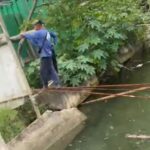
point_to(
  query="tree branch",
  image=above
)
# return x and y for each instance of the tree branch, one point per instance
(32, 10)
(29, 18)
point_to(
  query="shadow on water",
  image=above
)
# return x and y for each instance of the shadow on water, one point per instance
(108, 123)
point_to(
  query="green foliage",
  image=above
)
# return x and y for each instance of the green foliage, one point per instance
(32, 73)
(26, 113)
(26, 25)
(79, 71)
(90, 34)
(10, 124)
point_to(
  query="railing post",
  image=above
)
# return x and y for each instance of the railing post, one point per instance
(35, 105)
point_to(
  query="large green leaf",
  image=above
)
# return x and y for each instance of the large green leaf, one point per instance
(98, 54)
(95, 25)
(82, 48)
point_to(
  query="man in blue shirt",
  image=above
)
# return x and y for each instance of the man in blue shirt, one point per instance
(41, 38)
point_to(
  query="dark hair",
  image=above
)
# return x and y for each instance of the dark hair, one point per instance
(38, 22)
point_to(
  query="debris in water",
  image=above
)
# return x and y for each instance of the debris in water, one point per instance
(110, 115)
(143, 111)
(106, 138)
(138, 143)
(132, 120)
(70, 145)
(111, 127)
(139, 65)
(141, 137)
(80, 141)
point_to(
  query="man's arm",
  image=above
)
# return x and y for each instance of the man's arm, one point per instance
(32, 37)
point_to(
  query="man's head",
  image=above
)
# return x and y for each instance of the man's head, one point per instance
(38, 24)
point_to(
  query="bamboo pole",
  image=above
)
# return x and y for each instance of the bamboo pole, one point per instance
(35, 106)
(86, 91)
(101, 87)
(116, 95)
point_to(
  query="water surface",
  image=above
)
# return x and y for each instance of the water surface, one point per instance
(108, 123)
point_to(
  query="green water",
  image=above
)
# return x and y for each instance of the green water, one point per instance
(108, 123)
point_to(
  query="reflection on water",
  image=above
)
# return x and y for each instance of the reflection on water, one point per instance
(108, 123)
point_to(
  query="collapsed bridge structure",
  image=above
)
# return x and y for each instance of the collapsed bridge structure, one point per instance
(15, 90)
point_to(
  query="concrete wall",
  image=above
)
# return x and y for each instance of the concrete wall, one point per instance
(53, 131)
(64, 100)
(13, 83)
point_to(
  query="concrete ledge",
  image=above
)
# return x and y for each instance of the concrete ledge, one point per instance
(128, 51)
(65, 100)
(53, 131)
(3, 146)
(13, 103)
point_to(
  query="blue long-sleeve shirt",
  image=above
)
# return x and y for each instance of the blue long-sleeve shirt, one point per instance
(43, 39)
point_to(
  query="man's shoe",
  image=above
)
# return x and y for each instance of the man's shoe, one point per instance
(50, 83)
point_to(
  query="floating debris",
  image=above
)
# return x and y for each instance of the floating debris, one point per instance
(141, 137)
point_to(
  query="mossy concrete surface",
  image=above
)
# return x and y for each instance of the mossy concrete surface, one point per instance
(52, 131)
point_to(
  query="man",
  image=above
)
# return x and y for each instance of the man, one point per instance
(41, 38)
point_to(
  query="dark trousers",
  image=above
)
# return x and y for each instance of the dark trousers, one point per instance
(48, 72)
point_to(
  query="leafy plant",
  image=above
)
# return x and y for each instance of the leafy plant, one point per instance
(26, 113)
(32, 73)
(10, 124)
(90, 34)
(79, 71)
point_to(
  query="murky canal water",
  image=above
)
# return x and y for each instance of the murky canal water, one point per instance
(108, 123)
